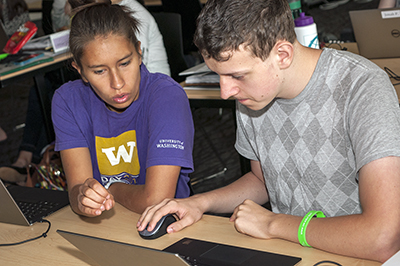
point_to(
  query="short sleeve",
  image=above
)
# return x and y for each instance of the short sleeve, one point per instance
(171, 129)
(64, 116)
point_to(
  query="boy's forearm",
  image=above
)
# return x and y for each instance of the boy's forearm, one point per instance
(226, 199)
(351, 235)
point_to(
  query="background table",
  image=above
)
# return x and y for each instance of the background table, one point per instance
(211, 98)
(37, 73)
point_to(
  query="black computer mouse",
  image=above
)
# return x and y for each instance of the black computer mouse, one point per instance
(160, 229)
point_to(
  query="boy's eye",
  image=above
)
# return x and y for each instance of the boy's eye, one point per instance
(237, 77)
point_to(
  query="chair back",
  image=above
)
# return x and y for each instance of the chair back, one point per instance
(170, 27)
(189, 11)
(47, 23)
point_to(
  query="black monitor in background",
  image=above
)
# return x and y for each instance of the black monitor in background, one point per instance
(189, 11)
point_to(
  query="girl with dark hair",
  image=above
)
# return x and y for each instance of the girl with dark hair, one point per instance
(125, 134)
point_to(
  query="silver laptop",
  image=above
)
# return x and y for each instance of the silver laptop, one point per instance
(377, 32)
(107, 252)
(27, 205)
(187, 251)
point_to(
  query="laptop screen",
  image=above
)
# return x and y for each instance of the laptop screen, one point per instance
(27, 205)
(377, 32)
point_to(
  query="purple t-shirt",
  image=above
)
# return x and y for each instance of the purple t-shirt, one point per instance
(156, 129)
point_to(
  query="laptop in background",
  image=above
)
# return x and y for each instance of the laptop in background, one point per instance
(26, 205)
(377, 32)
(187, 251)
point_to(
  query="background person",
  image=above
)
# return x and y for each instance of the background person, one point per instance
(60, 15)
(13, 14)
(3, 135)
(389, 3)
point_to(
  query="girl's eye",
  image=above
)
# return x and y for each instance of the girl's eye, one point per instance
(126, 63)
(99, 72)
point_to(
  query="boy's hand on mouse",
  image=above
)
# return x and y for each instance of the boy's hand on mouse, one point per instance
(93, 198)
(187, 211)
(252, 219)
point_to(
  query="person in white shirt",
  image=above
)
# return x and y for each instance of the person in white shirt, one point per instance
(389, 3)
(60, 15)
(154, 55)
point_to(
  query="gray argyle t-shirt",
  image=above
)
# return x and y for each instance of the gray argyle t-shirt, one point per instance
(312, 147)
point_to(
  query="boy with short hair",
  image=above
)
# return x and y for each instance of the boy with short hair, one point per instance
(321, 128)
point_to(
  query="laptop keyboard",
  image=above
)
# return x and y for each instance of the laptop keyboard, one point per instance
(36, 210)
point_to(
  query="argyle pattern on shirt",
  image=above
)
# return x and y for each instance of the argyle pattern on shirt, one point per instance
(305, 150)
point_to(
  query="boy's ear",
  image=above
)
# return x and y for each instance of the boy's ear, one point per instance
(284, 51)
(75, 65)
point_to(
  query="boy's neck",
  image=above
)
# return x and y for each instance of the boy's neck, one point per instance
(303, 67)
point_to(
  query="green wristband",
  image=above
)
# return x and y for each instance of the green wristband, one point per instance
(303, 226)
